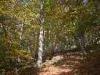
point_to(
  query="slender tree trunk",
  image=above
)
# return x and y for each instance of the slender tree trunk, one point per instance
(41, 36)
(16, 71)
(21, 33)
(85, 2)
(80, 42)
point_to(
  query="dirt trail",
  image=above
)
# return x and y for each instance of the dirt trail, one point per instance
(50, 69)
(59, 65)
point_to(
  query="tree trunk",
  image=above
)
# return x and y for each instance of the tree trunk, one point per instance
(85, 2)
(21, 31)
(80, 42)
(20, 34)
(41, 36)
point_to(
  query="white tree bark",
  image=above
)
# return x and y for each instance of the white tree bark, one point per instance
(21, 31)
(85, 2)
(41, 36)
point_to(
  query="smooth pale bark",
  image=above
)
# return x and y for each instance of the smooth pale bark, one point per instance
(21, 31)
(40, 51)
(16, 71)
(85, 2)
(41, 36)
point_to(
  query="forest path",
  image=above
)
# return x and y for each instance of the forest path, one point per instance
(53, 70)
(61, 64)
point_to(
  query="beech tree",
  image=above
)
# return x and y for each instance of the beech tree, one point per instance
(41, 35)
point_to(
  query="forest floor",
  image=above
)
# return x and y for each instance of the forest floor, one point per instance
(61, 64)
(52, 70)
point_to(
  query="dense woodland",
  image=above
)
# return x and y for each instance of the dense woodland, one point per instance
(34, 31)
